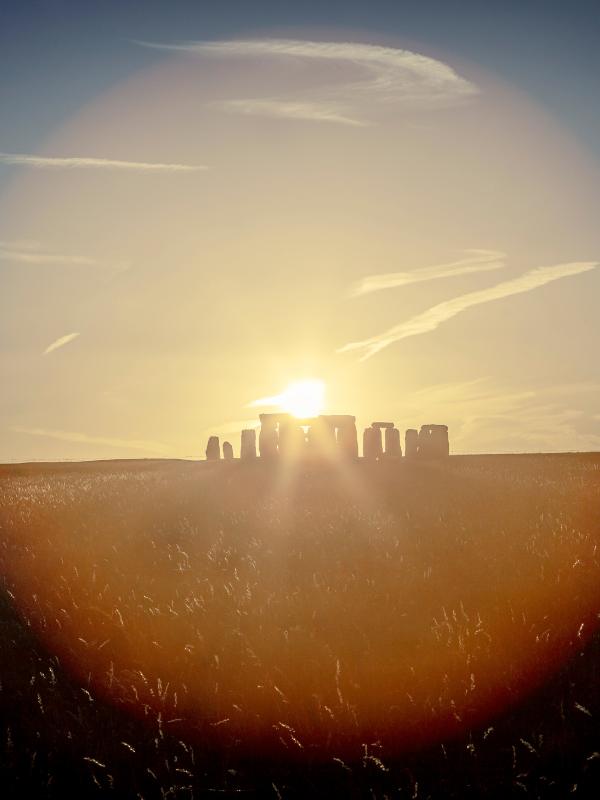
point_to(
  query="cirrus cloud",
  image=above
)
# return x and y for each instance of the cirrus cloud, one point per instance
(476, 261)
(391, 77)
(33, 253)
(77, 162)
(60, 343)
(430, 319)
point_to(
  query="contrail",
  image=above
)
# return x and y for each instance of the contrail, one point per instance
(478, 261)
(33, 257)
(56, 162)
(436, 315)
(60, 343)
(32, 254)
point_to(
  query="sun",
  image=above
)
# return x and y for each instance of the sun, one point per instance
(303, 398)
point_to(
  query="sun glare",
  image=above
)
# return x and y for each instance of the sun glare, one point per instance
(303, 398)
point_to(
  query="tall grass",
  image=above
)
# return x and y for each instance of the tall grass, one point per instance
(427, 630)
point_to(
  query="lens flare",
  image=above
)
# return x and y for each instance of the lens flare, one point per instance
(303, 398)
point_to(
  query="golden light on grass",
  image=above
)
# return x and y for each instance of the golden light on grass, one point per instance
(256, 612)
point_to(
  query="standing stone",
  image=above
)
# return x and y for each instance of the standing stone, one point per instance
(411, 443)
(433, 441)
(227, 451)
(372, 444)
(291, 440)
(213, 450)
(425, 442)
(268, 439)
(320, 437)
(248, 444)
(392, 443)
(367, 448)
(347, 439)
(378, 442)
(327, 428)
(440, 441)
(311, 441)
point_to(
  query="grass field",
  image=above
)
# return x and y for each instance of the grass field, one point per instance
(179, 629)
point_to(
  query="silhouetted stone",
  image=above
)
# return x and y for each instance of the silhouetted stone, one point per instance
(383, 425)
(347, 438)
(411, 443)
(425, 443)
(338, 420)
(268, 438)
(227, 451)
(444, 441)
(248, 444)
(378, 442)
(291, 440)
(372, 449)
(392, 443)
(320, 438)
(433, 441)
(311, 440)
(213, 450)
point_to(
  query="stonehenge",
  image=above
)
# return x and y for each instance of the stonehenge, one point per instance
(291, 439)
(321, 438)
(411, 443)
(332, 437)
(325, 436)
(377, 442)
(428, 443)
(268, 438)
(391, 440)
(374, 448)
(433, 441)
(227, 451)
(347, 439)
(370, 448)
(213, 450)
(248, 444)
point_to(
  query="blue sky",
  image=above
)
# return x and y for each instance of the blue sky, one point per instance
(55, 53)
(187, 228)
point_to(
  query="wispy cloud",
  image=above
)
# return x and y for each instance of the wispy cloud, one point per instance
(392, 78)
(477, 261)
(429, 320)
(486, 417)
(71, 436)
(73, 162)
(60, 343)
(23, 252)
(26, 257)
(273, 400)
(289, 109)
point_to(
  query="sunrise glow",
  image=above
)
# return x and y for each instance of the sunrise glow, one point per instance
(303, 398)
(300, 420)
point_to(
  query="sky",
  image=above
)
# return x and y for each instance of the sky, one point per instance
(201, 203)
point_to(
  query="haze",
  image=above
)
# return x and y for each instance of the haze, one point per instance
(242, 211)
